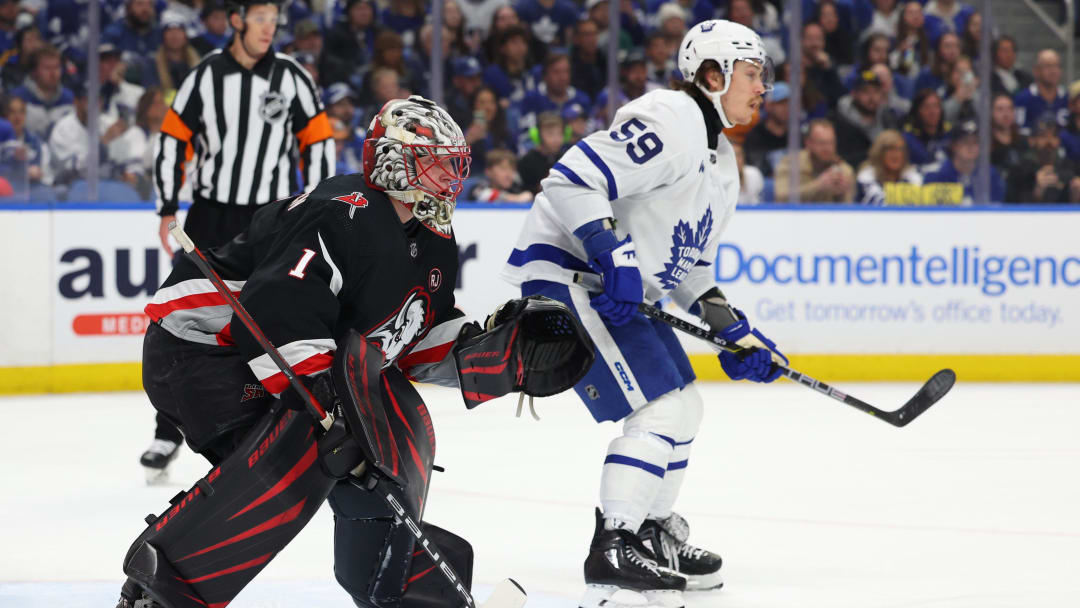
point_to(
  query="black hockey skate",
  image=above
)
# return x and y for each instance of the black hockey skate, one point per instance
(156, 459)
(132, 596)
(666, 538)
(621, 572)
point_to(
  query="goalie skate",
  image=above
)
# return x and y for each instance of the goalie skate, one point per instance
(620, 572)
(666, 538)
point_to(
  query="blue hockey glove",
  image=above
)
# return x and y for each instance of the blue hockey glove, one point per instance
(756, 365)
(616, 261)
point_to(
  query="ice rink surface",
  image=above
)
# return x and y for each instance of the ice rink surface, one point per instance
(811, 503)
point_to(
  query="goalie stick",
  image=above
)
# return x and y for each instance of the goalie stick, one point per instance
(507, 594)
(933, 390)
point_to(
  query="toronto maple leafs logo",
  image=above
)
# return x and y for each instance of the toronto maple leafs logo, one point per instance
(686, 249)
(403, 328)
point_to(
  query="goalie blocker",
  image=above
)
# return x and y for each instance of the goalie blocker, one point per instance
(534, 345)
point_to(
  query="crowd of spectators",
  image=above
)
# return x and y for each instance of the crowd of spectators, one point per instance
(888, 102)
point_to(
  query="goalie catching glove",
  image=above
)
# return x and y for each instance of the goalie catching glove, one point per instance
(534, 345)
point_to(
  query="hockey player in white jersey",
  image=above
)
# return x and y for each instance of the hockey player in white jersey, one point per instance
(643, 205)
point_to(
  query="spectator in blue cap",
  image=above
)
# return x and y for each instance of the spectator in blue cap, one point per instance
(634, 78)
(962, 168)
(576, 119)
(766, 143)
(340, 103)
(465, 79)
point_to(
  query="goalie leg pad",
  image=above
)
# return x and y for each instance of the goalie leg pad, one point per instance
(217, 536)
(535, 345)
(378, 562)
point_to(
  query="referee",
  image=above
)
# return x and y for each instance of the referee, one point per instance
(248, 116)
(253, 121)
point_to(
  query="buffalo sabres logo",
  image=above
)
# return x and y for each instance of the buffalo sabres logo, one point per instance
(273, 107)
(405, 327)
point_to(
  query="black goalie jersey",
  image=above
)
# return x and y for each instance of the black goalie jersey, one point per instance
(311, 267)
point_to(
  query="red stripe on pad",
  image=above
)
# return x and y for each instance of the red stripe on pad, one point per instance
(416, 459)
(478, 397)
(294, 473)
(397, 408)
(258, 561)
(420, 575)
(278, 520)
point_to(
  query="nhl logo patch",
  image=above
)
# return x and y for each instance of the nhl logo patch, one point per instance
(272, 107)
(434, 280)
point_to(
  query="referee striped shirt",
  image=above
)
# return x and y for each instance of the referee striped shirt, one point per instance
(248, 129)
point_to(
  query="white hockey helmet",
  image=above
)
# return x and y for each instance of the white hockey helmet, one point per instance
(400, 135)
(725, 42)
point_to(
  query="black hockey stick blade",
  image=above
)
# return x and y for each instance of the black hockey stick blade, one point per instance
(935, 388)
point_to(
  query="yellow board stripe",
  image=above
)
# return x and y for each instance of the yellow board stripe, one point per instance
(968, 368)
(71, 378)
(92, 377)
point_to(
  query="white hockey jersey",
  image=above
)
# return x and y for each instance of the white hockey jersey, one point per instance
(655, 172)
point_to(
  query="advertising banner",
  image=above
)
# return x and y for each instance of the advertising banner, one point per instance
(937, 281)
(822, 283)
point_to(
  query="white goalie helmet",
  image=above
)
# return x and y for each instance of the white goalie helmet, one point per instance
(726, 43)
(416, 153)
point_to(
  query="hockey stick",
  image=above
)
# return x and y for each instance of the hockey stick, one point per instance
(935, 388)
(507, 594)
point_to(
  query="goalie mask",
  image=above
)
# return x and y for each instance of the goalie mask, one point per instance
(417, 154)
(726, 43)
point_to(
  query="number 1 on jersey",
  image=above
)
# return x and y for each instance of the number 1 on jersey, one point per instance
(298, 270)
